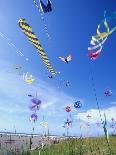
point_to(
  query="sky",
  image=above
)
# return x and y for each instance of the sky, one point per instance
(71, 25)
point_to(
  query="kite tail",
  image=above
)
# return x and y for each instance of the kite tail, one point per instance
(104, 123)
(43, 20)
(96, 98)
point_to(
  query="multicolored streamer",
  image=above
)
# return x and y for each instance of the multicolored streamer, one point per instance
(98, 40)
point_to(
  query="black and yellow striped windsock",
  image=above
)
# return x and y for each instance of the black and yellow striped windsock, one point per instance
(27, 30)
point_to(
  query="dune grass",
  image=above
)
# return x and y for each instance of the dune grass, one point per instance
(88, 146)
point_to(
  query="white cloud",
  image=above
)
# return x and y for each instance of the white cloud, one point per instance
(95, 116)
(14, 94)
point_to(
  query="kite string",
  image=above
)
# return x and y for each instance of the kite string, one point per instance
(12, 45)
(43, 20)
(95, 94)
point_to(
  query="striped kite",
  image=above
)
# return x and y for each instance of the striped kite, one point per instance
(27, 30)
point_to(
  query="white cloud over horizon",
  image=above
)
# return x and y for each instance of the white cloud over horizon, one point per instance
(95, 116)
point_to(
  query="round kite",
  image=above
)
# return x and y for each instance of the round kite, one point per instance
(108, 93)
(68, 109)
(78, 104)
(28, 78)
(35, 104)
(33, 117)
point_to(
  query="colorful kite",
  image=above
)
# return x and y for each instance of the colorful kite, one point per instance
(66, 59)
(94, 55)
(28, 78)
(98, 40)
(68, 109)
(46, 8)
(67, 83)
(108, 93)
(35, 104)
(78, 104)
(43, 7)
(27, 30)
(67, 123)
(33, 117)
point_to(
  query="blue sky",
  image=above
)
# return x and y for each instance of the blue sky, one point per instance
(71, 25)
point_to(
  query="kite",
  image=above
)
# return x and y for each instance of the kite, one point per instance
(88, 116)
(94, 55)
(103, 36)
(67, 123)
(50, 77)
(18, 69)
(43, 7)
(68, 109)
(98, 40)
(78, 104)
(112, 126)
(46, 8)
(33, 117)
(105, 128)
(35, 104)
(44, 124)
(28, 78)
(108, 93)
(30, 95)
(67, 83)
(27, 30)
(66, 59)
(112, 119)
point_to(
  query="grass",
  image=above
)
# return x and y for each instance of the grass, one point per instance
(88, 146)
